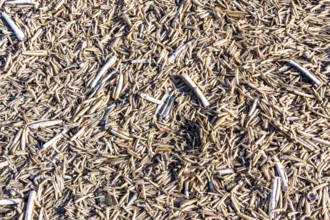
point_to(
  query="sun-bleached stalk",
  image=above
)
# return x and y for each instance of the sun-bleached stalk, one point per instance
(195, 89)
(103, 70)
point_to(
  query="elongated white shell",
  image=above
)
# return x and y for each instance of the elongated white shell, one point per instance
(119, 87)
(19, 34)
(305, 72)
(30, 206)
(282, 173)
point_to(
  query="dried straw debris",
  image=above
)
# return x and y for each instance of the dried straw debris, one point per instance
(178, 51)
(99, 116)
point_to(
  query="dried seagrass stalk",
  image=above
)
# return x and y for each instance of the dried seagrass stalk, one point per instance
(103, 70)
(55, 139)
(195, 89)
(44, 123)
(178, 51)
(35, 53)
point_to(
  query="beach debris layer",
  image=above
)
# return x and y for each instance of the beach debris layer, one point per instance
(183, 109)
